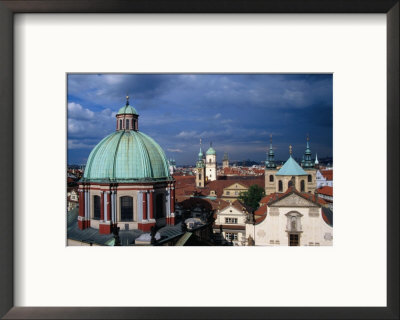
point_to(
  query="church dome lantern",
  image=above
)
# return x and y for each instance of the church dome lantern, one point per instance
(127, 117)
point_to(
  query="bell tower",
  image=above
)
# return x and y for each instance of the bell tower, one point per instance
(270, 170)
(200, 170)
(225, 161)
(309, 168)
(211, 164)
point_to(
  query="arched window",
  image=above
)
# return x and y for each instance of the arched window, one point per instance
(209, 161)
(280, 186)
(96, 207)
(133, 124)
(302, 187)
(309, 178)
(199, 176)
(290, 183)
(127, 124)
(271, 178)
(160, 206)
(120, 124)
(126, 208)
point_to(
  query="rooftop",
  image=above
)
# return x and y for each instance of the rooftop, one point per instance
(291, 168)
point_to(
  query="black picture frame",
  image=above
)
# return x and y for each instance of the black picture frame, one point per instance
(7, 11)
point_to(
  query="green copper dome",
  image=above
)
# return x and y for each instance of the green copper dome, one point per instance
(210, 151)
(126, 156)
(127, 110)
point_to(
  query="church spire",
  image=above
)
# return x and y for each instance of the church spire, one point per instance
(270, 162)
(200, 152)
(308, 163)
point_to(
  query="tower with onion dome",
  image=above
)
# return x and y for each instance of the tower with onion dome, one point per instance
(211, 164)
(126, 182)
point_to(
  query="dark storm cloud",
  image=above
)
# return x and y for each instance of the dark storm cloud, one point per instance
(237, 112)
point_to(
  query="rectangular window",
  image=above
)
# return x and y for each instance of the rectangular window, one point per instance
(231, 220)
(231, 236)
(127, 124)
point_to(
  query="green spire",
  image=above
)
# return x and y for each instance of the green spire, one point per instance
(270, 162)
(307, 161)
(200, 162)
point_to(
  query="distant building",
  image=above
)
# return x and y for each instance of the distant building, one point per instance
(72, 198)
(172, 166)
(231, 220)
(324, 178)
(225, 161)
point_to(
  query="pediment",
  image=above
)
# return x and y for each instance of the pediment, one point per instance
(230, 210)
(235, 186)
(293, 200)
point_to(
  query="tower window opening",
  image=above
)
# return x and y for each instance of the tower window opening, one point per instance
(120, 124)
(271, 178)
(309, 178)
(127, 124)
(302, 188)
(280, 186)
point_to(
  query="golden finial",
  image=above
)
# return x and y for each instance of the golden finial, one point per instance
(127, 99)
(290, 149)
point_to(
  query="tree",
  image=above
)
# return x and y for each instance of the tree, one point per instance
(252, 196)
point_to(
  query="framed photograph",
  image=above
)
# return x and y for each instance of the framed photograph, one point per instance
(151, 149)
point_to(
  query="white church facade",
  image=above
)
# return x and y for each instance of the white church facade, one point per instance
(292, 219)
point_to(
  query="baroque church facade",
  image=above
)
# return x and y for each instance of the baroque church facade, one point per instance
(303, 178)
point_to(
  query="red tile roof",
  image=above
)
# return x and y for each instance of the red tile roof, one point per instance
(219, 185)
(326, 190)
(328, 174)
